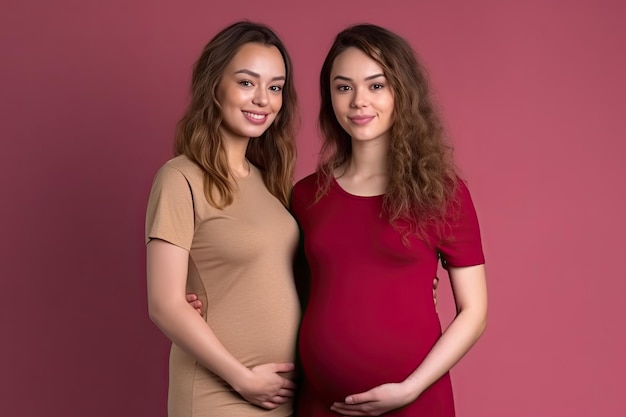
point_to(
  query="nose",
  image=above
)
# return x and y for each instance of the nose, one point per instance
(260, 97)
(359, 98)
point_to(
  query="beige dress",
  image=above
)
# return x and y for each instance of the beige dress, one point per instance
(240, 265)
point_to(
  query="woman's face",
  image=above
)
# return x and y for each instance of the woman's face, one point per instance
(361, 96)
(251, 91)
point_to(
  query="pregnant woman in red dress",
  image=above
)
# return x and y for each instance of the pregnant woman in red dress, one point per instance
(384, 206)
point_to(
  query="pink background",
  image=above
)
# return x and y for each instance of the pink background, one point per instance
(533, 96)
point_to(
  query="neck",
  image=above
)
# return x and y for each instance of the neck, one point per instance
(365, 174)
(368, 159)
(236, 151)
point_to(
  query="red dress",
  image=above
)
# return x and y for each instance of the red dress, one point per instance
(370, 318)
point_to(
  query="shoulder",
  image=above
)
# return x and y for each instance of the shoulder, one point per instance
(306, 187)
(184, 165)
(304, 191)
(461, 214)
(178, 170)
(462, 196)
(307, 183)
(462, 190)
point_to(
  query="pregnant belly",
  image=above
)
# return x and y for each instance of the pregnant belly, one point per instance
(257, 333)
(349, 351)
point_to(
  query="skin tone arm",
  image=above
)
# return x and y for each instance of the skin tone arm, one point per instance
(470, 295)
(170, 311)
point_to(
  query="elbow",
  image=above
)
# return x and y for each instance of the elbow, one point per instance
(154, 316)
(155, 313)
(482, 325)
(162, 310)
(480, 322)
(475, 321)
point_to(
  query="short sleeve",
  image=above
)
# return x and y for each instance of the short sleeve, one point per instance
(303, 195)
(170, 213)
(462, 245)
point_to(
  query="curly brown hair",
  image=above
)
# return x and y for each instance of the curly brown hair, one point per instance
(198, 132)
(423, 180)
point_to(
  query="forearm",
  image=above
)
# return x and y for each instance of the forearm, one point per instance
(453, 344)
(188, 330)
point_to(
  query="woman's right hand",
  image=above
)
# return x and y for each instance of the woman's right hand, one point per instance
(265, 387)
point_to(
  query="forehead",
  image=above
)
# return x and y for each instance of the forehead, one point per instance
(259, 58)
(355, 63)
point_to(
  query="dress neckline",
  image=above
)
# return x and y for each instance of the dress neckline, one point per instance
(345, 193)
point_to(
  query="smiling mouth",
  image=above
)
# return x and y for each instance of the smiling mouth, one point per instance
(360, 120)
(255, 116)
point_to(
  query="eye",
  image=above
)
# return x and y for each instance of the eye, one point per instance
(276, 88)
(245, 83)
(377, 86)
(344, 88)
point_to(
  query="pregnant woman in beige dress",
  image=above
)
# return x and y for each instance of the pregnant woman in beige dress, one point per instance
(217, 226)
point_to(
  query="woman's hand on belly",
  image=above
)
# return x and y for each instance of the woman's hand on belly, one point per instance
(375, 402)
(264, 386)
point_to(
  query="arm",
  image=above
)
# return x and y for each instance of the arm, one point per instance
(470, 295)
(169, 310)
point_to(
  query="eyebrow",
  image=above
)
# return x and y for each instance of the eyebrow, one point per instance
(371, 77)
(256, 75)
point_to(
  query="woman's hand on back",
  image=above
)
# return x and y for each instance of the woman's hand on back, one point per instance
(195, 302)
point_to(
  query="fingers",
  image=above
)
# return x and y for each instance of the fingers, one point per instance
(284, 367)
(288, 384)
(269, 405)
(364, 397)
(194, 302)
(281, 397)
(197, 305)
(435, 285)
(350, 410)
(285, 393)
(269, 388)
(276, 400)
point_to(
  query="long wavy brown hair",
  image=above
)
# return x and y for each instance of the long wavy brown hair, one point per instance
(198, 132)
(423, 180)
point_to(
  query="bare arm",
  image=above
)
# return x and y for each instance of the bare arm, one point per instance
(470, 295)
(170, 311)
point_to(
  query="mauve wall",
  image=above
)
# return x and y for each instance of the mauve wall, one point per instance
(533, 96)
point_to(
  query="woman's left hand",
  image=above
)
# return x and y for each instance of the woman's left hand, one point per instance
(375, 402)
